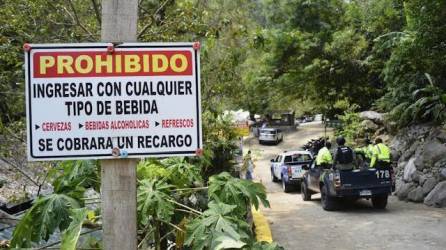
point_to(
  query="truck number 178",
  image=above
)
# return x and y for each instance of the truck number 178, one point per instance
(380, 174)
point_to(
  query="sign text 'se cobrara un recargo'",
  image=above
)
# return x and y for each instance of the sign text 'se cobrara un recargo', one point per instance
(99, 101)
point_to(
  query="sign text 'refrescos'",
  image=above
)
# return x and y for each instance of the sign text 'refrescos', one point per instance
(84, 101)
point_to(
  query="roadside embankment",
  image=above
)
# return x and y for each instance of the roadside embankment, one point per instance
(420, 151)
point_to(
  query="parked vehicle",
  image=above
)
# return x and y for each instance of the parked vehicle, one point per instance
(287, 168)
(337, 185)
(309, 118)
(274, 135)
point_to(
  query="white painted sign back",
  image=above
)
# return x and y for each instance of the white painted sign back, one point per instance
(102, 101)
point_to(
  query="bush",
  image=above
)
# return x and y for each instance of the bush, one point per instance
(351, 128)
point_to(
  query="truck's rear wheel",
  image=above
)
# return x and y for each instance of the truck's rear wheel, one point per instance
(328, 203)
(286, 187)
(379, 202)
(306, 195)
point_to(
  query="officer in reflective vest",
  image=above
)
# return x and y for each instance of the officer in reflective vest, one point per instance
(324, 158)
(366, 151)
(381, 154)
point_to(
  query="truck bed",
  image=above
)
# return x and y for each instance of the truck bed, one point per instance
(365, 183)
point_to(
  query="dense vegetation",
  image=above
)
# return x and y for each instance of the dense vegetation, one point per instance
(330, 56)
(174, 205)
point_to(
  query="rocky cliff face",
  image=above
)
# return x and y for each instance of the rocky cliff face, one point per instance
(420, 151)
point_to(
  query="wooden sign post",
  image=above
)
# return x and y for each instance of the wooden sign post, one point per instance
(118, 177)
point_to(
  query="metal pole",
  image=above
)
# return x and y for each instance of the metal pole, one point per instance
(325, 128)
(118, 177)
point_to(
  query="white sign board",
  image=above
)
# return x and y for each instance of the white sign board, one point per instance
(102, 101)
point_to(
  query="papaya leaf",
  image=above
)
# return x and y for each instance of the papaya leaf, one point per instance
(71, 235)
(151, 169)
(76, 177)
(45, 216)
(219, 219)
(153, 201)
(234, 191)
(182, 173)
(225, 241)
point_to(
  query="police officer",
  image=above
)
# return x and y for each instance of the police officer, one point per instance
(324, 158)
(344, 157)
(366, 151)
(380, 155)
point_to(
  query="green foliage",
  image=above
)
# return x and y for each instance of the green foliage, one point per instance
(351, 128)
(175, 170)
(151, 169)
(265, 246)
(217, 227)
(152, 200)
(45, 216)
(318, 55)
(74, 177)
(182, 173)
(220, 142)
(424, 105)
(416, 63)
(71, 235)
(241, 193)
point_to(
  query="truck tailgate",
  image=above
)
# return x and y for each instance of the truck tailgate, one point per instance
(366, 179)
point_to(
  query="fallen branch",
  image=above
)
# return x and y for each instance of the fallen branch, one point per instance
(184, 206)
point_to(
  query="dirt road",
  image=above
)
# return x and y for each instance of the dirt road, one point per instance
(296, 224)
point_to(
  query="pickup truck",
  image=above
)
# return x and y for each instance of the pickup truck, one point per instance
(336, 185)
(287, 168)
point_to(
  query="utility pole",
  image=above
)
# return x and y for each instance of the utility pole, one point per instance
(118, 177)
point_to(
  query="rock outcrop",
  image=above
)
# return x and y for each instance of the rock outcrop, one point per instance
(437, 197)
(374, 116)
(420, 151)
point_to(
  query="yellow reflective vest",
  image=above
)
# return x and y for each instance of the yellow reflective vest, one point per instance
(367, 151)
(324, 156)
(380, 153)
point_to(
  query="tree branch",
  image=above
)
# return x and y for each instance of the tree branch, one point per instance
(76, 20)
(171, 224)
(184, 206)
(96, 11)
(147, 26)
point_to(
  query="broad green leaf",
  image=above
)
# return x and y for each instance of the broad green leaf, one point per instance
(234, 191)
(70, 236)
(76, 177)
(219, 219)
(181, 173)
(45, 216)
(152, 200)
(225, 241)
